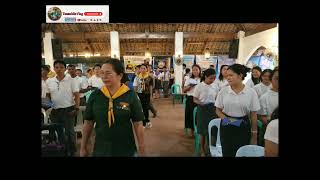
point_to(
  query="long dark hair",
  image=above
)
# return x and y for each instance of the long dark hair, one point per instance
(275, 114)
(220, 75)
(256, 80)
(239, 69)
(196, 65)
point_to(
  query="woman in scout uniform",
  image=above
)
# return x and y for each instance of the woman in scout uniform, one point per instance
(144, 88)
(204, 95)
(265, 83)
(189, 88)
(113, 108)
(234, 104)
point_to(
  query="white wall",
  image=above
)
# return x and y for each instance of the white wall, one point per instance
(248, 45)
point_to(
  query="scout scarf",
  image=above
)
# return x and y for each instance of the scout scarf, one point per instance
(123, 89)
(143, 77)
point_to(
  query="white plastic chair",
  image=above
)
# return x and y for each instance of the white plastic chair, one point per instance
(250, 151)
(215, 151)
(46, 118)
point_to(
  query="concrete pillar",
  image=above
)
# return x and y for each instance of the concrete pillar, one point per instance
(115, 44)
(47, 47)
(178, 69)
(241, 35)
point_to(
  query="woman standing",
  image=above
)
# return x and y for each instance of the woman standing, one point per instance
(265, 83)
(171, 80)
(270, 100)
(189, 88)
(204, 95)
(113, 108)
(255, 77)
(222, 80)
(144, 90)
(234, 105)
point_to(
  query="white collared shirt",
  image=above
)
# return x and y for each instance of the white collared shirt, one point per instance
(250, 83)
(261, 88)
(237, 105)
(221, 84)
(82, 83)
(95, 81)
(272, 131)
(165, 76)
(62, 91)
(268, 102)
(206, 93)
(191, 81)
(44, 88)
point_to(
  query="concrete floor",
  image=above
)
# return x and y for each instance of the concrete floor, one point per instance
(166, 138)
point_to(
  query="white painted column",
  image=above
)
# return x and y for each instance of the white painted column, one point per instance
(115, 44)
(241, 35)
(178, 69)
(47, 48)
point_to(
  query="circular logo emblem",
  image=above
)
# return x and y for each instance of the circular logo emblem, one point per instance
(178, 61)
(54, 13)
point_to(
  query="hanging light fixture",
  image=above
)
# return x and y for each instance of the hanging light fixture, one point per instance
(207, 53)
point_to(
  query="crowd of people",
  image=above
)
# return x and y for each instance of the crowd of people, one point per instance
(113, 108)
(238, 105)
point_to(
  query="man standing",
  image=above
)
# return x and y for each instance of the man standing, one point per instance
(51, 74)
(165, 78)
(95, 81)
(64, 93)
(44, 77)
(82, 83)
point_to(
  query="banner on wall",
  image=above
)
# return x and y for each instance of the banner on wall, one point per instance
(130, 62)
(224, 60)
(161, 62)
(205, 63)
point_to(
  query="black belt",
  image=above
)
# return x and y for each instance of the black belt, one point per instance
(60, 109)
(245, 118)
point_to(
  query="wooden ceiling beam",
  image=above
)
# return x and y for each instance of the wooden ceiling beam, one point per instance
(261, 27)
(135, 35)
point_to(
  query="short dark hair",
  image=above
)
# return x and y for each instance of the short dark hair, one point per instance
(184, 65)
(265, 71)
(187, 70)
(71, 65)
(96, 65)
(220, 75)
(138, 66)
(88, 70)
(208, 73)
(59, 62)
(256, 80)
(239, 69)
(79, 70)
(272, 73)
(45, 67)
(143, 65)
(116, 65)
(196, 65)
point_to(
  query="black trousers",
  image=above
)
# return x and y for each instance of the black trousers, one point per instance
(65, 129)
(145, 102)
(188, 116)
(233, 137)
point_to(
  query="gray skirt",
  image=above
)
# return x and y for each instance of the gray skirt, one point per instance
(205, 114)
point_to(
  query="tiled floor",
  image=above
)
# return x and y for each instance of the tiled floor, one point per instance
(166, 138)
